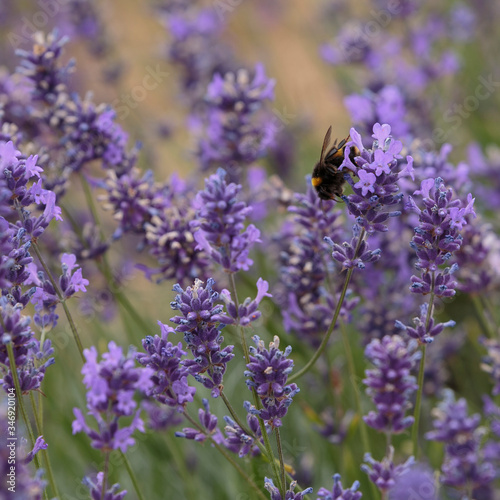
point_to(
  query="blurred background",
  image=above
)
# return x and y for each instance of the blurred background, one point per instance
(127, 55)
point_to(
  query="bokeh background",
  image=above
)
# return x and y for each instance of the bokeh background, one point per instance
(115, 44)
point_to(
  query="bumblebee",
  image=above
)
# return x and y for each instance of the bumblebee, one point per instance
(326, 177)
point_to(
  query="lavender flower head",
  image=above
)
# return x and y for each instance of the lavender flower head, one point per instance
(289, 494)
(220, 221)
(111, 385)
(339, 493)
(267, 373)
(238, 441)
(208, 422)
(417, 483)
(385, 473)
(378, 170)
(201, 323)
(464, 464)
(491, 362)
(236, 134)
(437, 237)
(390, 383)
(95, 487)
(170, 385)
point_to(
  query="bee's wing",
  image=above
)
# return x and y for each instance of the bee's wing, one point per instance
(326, 142)
(338, 150)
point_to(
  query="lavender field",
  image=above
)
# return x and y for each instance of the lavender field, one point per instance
(203, 296)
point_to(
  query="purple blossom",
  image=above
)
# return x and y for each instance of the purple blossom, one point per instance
(378, 170)
(390, 384)
(220, 222)
(417, 483)
(208, 422)
(111, 385)
(437, 237)
(201, 323)
(385, 473)
(346, 253)
(238, 128)
(425, 328)
(267, 372)
(170, 385)
(238, 441)
(246, 311)
(289, 494)
(30, 361)
(464, 465)
(40, 444)
(338, 492)
(96, 488)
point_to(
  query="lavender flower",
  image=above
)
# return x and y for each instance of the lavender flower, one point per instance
(425, 327)
(385, 473)
(45, 296)
(236, 134)
(464, 465)
(111, 385)
(289, 494)
(96, 489)
(239, 442)
(220, 222)
(267, 373)
(378, 171)
(201, 323)
(339, 493)
(31, 362)
(208, 422)
(346, 253)
(437, 237)
(246, 311)
(391, 384)
(170, 385)
(417, 483)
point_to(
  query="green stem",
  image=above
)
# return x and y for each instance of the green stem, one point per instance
(357, 397)
(336, 314)
(132, 476)
(19, 397)
(72, 324)
(37, 412)
(485, 324)
(418, 403)
(280, 454)
(256, 399)
(223, 452)
(105, 475)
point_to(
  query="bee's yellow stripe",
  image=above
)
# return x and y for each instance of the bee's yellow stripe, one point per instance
(316, 181)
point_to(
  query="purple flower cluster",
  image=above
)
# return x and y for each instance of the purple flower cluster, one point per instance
(170, 386)
(30, 358)
(208, 423)
(391, 383)
(46, 298)
(267, 373)
(464, 465)
(289, 494)
(237, 133)
(353, 254)
(237, 440)
(437, 237)
(385, 473)
(201, 323)
(426, 328)
(221, 232)
(111, 385)
(378, 171)
(305, 293)
(338, 492)
(96, 489)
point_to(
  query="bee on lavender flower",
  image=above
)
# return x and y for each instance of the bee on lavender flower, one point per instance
(327, 179)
